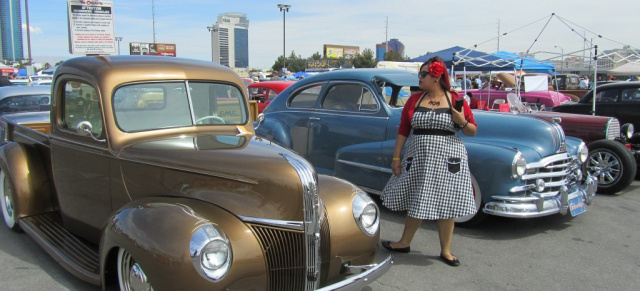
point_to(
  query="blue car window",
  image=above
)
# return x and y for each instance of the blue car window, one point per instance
(343, 97)
(306, 98)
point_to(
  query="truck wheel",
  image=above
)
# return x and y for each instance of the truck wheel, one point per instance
(130, 274)
(473, 219)
(612, 164)
(8, 210)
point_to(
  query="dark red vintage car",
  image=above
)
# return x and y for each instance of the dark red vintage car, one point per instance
(610, 158)
(264, 92)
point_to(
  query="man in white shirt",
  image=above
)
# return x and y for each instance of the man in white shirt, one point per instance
(584, 83)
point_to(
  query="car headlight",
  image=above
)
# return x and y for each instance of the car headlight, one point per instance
(627, 130)
(366, 213)
(583, 153)
(210, 252)
(518, 166)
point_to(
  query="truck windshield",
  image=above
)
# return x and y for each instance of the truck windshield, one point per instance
(150, 106)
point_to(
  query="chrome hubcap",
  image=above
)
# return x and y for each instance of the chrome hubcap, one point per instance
(605, 166)
(7, 201)
(131, 276)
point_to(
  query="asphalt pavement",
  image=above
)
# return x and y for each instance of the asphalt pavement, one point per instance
(597, 250)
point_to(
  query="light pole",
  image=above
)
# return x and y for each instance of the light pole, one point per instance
(212, 29)
(284, 8)
(562, 56)
(118, 39)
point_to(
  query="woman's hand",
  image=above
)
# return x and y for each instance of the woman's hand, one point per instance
(396, 167)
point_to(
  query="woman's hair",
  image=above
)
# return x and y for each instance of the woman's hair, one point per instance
(444, 79)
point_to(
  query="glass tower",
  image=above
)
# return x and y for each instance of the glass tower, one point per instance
(230, 40)
(11, 30)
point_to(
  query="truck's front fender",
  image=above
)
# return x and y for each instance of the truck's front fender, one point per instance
(24, 166)
(157, 233)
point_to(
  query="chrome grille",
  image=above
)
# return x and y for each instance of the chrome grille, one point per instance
(612, 130)
(284, 252)
(556, 171)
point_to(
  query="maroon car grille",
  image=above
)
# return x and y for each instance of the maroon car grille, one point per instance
(284, 252)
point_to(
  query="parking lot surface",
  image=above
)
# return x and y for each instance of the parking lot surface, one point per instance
(597, 250)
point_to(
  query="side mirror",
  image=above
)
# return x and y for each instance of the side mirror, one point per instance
(84, 128)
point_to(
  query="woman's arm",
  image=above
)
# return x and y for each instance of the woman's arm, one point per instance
(397, 151)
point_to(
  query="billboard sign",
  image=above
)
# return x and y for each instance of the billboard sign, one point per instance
(334, 52)
(152, 49)
(91, 27)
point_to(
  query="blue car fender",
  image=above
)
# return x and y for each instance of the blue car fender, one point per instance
(275, 131)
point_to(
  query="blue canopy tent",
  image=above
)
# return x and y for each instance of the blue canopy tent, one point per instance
(468, 59)
(526, 63)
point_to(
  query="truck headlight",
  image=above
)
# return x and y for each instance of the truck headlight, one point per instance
(210, 252)
(518, 166)
(583, 153)
(366, 213)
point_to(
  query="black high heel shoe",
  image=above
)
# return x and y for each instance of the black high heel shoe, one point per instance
(387, 245)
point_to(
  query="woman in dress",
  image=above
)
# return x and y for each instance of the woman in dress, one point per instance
(432, 181)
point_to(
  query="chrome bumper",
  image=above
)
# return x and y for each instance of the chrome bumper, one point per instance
(365, 275)
(523, 207)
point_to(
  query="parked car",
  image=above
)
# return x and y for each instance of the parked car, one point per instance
(498, 90)
(565, 81)
(19, 81)
(345, 123)
(610, 159)
(24, 98)
(180, 194)
(265, 92)
(617, 99)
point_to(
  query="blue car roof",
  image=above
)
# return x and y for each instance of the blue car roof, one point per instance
(395, 77)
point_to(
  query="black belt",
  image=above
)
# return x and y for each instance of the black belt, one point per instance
(429, 131)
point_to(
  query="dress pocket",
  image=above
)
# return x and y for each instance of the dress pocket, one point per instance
(453, 165)
(408, 164)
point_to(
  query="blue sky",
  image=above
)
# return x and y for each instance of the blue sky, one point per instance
(422, 25)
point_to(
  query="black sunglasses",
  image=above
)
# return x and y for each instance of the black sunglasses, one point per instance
(423, 74)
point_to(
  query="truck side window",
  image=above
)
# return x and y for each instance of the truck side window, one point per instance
(80, 102)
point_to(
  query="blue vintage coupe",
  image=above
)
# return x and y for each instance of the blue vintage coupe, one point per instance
(345, 123)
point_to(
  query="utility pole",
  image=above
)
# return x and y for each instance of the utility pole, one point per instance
(386, 38)
(153, 17)
(26, 11)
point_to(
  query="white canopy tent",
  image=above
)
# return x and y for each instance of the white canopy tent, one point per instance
(628, 69)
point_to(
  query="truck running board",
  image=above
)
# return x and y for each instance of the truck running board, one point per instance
(75, 255)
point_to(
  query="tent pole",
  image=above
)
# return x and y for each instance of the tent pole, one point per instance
(595, 80)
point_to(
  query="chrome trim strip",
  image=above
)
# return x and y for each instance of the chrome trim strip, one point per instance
(548, 160)
(295, 225)
(365, 166)
(312, 220)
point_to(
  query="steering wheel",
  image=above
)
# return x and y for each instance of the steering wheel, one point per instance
(216, 119)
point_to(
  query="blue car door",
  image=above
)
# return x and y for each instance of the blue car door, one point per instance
(349, 114)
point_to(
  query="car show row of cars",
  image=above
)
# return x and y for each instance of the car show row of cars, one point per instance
(278, 201)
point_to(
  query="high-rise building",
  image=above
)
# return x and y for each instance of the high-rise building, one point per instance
(11, 30)
(393, 45)
(230, 40)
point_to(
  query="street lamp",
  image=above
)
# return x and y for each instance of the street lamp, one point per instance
(118, 39)
(562, 56)
(284, 8)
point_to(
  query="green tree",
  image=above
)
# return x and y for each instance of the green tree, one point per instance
(316, 57)
(393, 56)
(365, 59)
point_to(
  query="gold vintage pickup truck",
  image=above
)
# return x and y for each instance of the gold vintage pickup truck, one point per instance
(146, 175)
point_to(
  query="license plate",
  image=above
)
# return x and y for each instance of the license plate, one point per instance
(577, 206)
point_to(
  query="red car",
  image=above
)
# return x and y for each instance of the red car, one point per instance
(264, 92)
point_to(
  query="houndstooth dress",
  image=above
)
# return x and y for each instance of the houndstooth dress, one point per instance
(435, 182)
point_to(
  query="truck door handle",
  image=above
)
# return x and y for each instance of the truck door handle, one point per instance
(314, 118)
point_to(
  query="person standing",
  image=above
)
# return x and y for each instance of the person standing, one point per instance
(432, 181)
(4, 81)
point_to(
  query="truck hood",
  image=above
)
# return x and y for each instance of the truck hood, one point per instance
(530, 135)
(246, 175)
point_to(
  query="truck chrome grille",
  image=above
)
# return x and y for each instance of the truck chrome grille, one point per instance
(284, 252)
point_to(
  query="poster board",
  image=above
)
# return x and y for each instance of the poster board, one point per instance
(91, 28)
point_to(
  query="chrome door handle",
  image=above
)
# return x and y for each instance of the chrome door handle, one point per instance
(314, 118)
